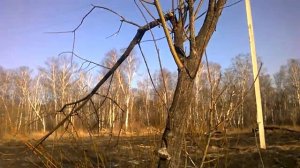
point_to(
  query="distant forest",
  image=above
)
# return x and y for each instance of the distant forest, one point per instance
(30, 101)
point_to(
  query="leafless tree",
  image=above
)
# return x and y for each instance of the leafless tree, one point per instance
(182, 19)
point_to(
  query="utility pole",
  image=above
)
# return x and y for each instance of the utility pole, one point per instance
(260, 120)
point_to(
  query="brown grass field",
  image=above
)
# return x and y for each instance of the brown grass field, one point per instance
(235, 149)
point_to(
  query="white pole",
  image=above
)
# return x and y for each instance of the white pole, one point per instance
(260, 120)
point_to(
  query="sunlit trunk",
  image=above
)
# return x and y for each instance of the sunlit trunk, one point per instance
(298, 96)
(175, 127)
(127, 113)
(110, 115)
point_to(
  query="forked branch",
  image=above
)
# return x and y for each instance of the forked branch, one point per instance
(167, 33)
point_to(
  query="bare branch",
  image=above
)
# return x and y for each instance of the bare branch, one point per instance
(205, 31)
(122, 117)
(117, 32)
(122, 18)
(151, 79)
(148, 11)
(137, 38)
(85, 16)
(192, 27)
(86, 60)
(198, 8)
(158, 55)
(151, 3)
(167, 33)
(153, 40)
(227, 6)
(103, 101)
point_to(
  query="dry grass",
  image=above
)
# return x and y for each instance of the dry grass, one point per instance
(238, 131)
(136, 149)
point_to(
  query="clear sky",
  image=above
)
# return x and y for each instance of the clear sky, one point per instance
(24, 24)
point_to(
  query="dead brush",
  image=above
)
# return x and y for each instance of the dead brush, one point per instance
(42, 154)
(71, 151)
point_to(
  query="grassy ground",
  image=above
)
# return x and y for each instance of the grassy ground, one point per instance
(236, 149)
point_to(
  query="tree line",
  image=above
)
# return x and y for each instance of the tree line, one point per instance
(224, 98)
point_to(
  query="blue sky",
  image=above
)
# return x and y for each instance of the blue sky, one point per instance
(24, 24)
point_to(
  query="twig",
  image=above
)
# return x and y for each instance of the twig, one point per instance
(159, 59)
(206, 150)
(227, 6)
(86, 60)
(258, 150)
(148, 11)
(153, 39)
(151, 79)
(151, 3)
(117, 32)
(84, 17)
(44, 154)
(198, 7)
(188, 155)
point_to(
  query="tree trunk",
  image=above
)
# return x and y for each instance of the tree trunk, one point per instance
(127, 112)
(188, 66)
(176, 122)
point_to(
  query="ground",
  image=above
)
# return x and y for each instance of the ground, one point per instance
(236, 150)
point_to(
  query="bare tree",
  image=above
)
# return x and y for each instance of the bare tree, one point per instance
(57, 80)
(35, 99)
(50, 82)
(294, 82)
(6, 99)
(130, 67)
(183, 19)
(188, 65)
(118, 88)
(281, 98)
(23, 82)
(145, 95)
(294, 72)
(241, 69)
(268, 94)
